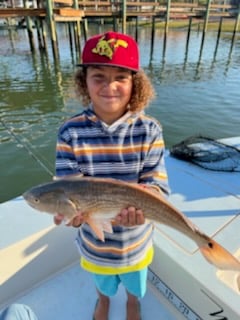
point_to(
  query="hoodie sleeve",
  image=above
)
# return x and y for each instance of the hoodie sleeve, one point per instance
(154, 171)
(66, 163)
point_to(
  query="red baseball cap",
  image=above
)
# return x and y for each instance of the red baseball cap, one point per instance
(111, 49)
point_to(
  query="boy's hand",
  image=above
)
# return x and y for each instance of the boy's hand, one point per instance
(75, 222)
(130, 217)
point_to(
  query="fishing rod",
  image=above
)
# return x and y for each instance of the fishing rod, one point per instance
(25, 146)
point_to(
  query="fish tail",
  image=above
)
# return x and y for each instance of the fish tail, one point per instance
(219, 256)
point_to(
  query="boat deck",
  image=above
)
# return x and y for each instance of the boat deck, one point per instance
(40, 264)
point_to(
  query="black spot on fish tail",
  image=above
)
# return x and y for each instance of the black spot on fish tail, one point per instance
(210, 245)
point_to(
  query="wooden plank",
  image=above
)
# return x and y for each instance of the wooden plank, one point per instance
(64, 2)
(69, 12)
(94, 14)
(140, 14)
(223, 6)
(21, 12)
(30, 12)
(58, 18)
(96, 4)
(220, 14)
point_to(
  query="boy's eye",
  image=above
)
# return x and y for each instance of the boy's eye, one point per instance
(119, 78)
(98, 76)
(122, 77)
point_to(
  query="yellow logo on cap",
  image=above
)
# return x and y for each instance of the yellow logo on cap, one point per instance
(107, 47)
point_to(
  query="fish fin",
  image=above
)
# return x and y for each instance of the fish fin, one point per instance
(219, 256)
(99, 226)
(107, 226)
(68, 208)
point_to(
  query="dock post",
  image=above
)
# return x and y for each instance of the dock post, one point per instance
(218, 37)
(85, 28)
(189, 32)
(152, 37)
(52, 28)
(206, 16)
(187, 42)
(167, 16)
(44, 33)
(235, 29)
(236, 23)
(39, 34)
(70, 36)
(29, 27)
(136, 29)
(124, 16)
(219, 28)
(115, 23)
(77, 29)
(205, 25)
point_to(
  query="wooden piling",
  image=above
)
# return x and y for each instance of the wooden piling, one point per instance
(70, 35)
(152, 37)
(77, 29)
(167, 16)
(188, 33)
(29, 27)
(124, 16)
(39, 34)
(218, 37)
(85, 29)
(235, 30)
(236, 24)
(187, 41)
(205, 25)
(52, 28)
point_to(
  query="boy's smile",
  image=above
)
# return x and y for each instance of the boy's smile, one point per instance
(110, 90)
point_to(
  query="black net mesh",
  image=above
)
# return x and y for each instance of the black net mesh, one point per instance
(208, 153)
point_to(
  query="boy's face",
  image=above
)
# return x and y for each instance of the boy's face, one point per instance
(110, 90)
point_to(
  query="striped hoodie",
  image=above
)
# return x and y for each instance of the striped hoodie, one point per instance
(131, 149)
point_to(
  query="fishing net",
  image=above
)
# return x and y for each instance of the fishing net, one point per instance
(208, 153)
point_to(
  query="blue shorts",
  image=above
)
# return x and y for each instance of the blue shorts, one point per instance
(134, 282)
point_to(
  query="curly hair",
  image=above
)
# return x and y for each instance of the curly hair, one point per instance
(142, 90)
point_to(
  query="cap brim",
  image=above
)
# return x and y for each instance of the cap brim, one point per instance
(106, 65)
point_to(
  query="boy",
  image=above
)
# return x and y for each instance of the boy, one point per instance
(113, 138)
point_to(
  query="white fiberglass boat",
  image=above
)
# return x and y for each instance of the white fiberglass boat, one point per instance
(39, 263)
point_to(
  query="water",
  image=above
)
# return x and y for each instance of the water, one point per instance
(197, 93)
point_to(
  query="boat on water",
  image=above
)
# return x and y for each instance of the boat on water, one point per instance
(39, 262)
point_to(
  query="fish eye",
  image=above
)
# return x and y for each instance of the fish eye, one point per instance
(210, 245)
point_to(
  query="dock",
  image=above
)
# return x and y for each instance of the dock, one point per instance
(45, 15)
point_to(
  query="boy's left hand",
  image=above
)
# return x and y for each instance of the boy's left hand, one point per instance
(130, 217)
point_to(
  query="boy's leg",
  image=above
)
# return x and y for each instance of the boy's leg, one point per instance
(18, 312)
(107, 286)
(136, 286)
(102, 307)
(133, 307)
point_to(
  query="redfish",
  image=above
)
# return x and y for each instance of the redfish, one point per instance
(101, 200)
